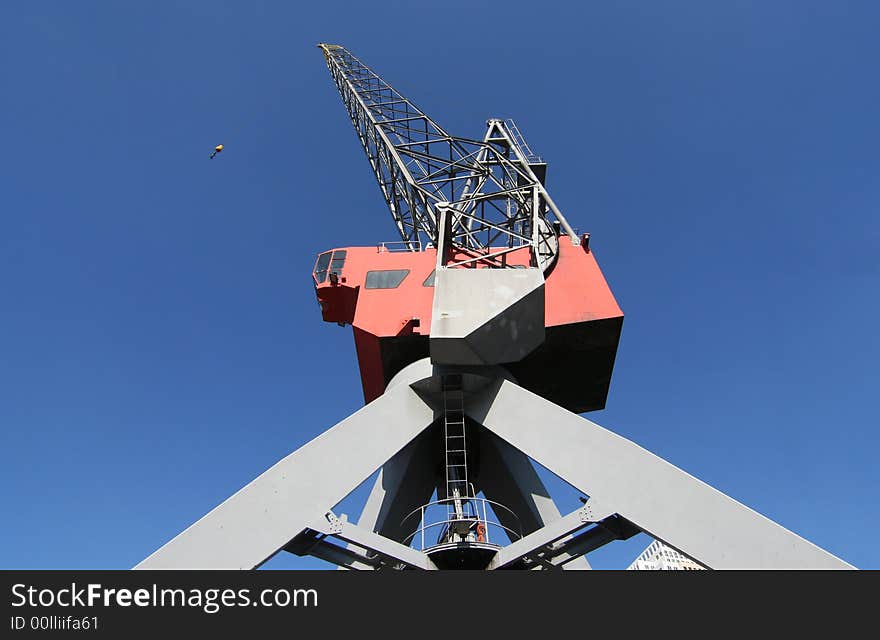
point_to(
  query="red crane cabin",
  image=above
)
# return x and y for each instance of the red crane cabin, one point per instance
(386, 297)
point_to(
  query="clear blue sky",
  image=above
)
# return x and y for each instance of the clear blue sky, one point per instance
(160, 344)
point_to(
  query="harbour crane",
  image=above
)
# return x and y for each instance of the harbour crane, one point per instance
(482, 332)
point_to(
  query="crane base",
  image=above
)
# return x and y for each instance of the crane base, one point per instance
(628, 489)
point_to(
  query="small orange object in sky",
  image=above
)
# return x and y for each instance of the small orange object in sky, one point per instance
(217, 150)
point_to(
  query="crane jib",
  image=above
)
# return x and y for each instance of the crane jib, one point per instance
(480, 198)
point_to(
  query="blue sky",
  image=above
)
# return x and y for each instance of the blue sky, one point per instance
(160, 344)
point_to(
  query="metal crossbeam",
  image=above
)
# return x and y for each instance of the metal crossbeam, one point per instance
(340, 527)
(312, 543)
(608, 530)
(537, 540)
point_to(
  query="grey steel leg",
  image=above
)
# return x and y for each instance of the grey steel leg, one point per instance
(257, 521)
(656, 496)
(404, 483)
(508, 477)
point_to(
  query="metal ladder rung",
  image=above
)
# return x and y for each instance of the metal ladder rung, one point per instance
(455, 432)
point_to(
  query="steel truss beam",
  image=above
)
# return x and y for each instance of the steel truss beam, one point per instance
(488, 185)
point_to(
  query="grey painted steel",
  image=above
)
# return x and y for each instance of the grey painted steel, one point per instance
(629, 489)
(253, 524)
(565, 552)
(546, 535)
(568, 550)
(404, 483)
(348, 558)
(341, 528)
(486, 316)
(507, 476)
(656, 496)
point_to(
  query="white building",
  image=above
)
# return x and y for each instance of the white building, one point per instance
(659, 557)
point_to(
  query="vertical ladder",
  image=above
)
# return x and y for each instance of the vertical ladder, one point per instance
(456, 446)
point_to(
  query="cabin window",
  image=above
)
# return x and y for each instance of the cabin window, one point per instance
(389, 279)
(321, 267)
(429, 281)
(337, 262)
(329, 262)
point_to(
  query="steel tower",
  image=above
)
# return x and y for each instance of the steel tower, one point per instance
(481, 334)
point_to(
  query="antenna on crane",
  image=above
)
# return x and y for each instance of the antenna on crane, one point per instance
(481, 334)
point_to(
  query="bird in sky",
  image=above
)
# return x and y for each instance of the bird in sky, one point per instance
(217, 150)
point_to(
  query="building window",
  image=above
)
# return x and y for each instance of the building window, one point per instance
(390, 279)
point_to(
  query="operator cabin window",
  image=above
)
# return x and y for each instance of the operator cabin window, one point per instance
(337, 262)
(390, 279)
(324, 261)
(321, 267)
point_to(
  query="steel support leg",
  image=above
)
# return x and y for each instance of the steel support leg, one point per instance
(255, 523)
(405, 483)
(508, 477)
(656, 496)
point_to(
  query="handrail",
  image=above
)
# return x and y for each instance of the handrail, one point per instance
(518, 137)
(415, 245)
(475, 517)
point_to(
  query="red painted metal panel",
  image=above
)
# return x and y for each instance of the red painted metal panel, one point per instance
(391, 325)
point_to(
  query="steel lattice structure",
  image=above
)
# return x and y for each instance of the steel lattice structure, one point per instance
(487, 188)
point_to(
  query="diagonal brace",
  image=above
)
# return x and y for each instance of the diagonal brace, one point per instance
(313, 543)
(546, 535)
(340, 527)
